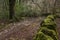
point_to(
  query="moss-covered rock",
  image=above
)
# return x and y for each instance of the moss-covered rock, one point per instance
(42, 36)
(47, 30)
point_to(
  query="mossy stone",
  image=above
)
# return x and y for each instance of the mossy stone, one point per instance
(47, 30)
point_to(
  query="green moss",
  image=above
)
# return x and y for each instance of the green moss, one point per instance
(42, 36)
(49, 22)
(48, 30)
(51, 16)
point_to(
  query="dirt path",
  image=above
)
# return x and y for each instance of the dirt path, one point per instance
(21, 31)
(58, 26)
(24, 30)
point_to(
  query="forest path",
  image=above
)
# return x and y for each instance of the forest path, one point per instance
(22, 30)
(58, 26)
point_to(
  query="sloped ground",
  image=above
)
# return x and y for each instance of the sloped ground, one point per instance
(24, 30)
(21, 31)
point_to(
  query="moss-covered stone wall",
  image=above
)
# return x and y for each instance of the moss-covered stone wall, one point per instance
(47, 30)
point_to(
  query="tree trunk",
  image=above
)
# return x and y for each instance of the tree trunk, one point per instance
(11, 8)
(54, 8)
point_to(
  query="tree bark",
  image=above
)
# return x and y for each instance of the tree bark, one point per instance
(54, 8)
(11, 8)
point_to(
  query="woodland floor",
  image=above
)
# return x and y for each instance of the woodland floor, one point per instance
(24, 30)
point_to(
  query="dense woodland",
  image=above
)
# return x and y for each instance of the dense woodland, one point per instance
(28, 8)
(22, 16)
